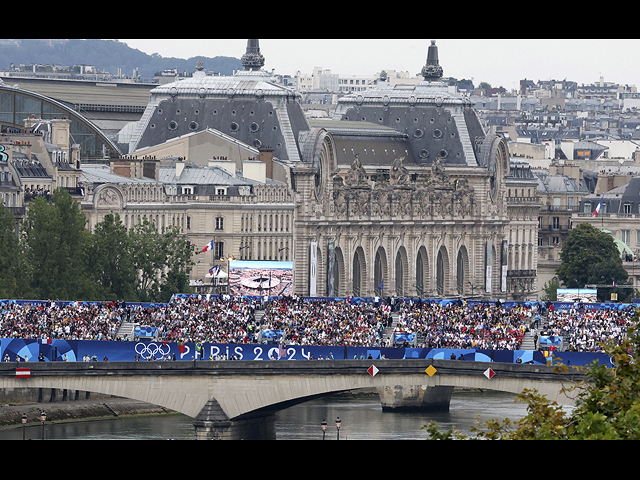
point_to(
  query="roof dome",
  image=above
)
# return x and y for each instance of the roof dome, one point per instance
(247, 105)
(437, 121)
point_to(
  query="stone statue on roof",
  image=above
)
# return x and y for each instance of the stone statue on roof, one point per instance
(356, 176)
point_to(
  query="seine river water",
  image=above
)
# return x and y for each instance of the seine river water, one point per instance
(361, 418)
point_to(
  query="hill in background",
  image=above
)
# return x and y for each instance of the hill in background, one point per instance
(106, 56)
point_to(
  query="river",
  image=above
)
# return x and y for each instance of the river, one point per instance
(361, 418)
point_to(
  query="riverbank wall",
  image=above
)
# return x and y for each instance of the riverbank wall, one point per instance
(64, 406)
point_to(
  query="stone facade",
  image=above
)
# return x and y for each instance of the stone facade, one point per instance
(402, 193)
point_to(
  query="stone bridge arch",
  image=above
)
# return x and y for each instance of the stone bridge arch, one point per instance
(223, 395)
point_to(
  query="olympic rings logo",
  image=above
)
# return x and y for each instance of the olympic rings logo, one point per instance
(152, 349)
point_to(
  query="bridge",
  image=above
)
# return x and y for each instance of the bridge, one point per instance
(238, 399)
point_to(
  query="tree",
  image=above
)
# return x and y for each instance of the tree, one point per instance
(112, 259)
(607, 405)
(57, 246)
(159, 258)
(590, 256)
(13, 277)
(551, 290)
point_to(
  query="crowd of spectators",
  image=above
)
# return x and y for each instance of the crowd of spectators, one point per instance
(462, 325)
(297, 321)
(585, 330)
(326, 322)
(73, 321)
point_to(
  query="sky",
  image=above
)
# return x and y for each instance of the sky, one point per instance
(500, 62)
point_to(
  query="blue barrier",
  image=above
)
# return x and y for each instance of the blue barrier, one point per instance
(76, 350)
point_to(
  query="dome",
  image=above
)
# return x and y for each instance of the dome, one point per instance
(247, 106)
(437, 122)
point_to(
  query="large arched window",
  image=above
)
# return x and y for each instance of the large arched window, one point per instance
(357, 275)
(442, 271)
(399, 276)
(460, 273)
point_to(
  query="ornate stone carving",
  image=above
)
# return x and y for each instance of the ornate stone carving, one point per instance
(380, 206)
(464, 198)
(359, 202)
(398, 175)
(439, 176)
(356, 176)
(108, 197)
(339, 202)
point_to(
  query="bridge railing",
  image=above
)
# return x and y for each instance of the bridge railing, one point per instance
(94, 351)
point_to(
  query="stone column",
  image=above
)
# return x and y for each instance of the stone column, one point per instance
(416, 397)
(213, 424)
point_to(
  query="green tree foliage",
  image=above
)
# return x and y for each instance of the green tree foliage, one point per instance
(57, 247)
(57, 257)
(112, 261)
(13, 278)
(159, 258)
(551, 290)
(590, 256)
(607, 405)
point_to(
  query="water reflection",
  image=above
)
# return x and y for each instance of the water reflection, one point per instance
(362, 419)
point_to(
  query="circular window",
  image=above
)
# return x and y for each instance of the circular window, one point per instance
(418, 133)
(444, 153)
(193, 126)
(257, 143)
(172, 125)
(254, 127)
(424, 153)
(153, 125)
(234, 127)
(437, 133)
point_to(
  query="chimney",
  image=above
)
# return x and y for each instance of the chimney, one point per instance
(60, 129)
(266, 156)
(179, 168)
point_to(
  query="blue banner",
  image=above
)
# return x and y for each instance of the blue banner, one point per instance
(95, 350)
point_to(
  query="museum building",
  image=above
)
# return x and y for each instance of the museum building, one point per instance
(401, 193)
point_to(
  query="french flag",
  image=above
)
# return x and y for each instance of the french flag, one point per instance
(598, 207)
(208, 246)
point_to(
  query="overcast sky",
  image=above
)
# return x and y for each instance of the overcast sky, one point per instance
(500, 62)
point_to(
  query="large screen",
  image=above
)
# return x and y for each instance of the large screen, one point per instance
(260, 277)
(585, 295)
